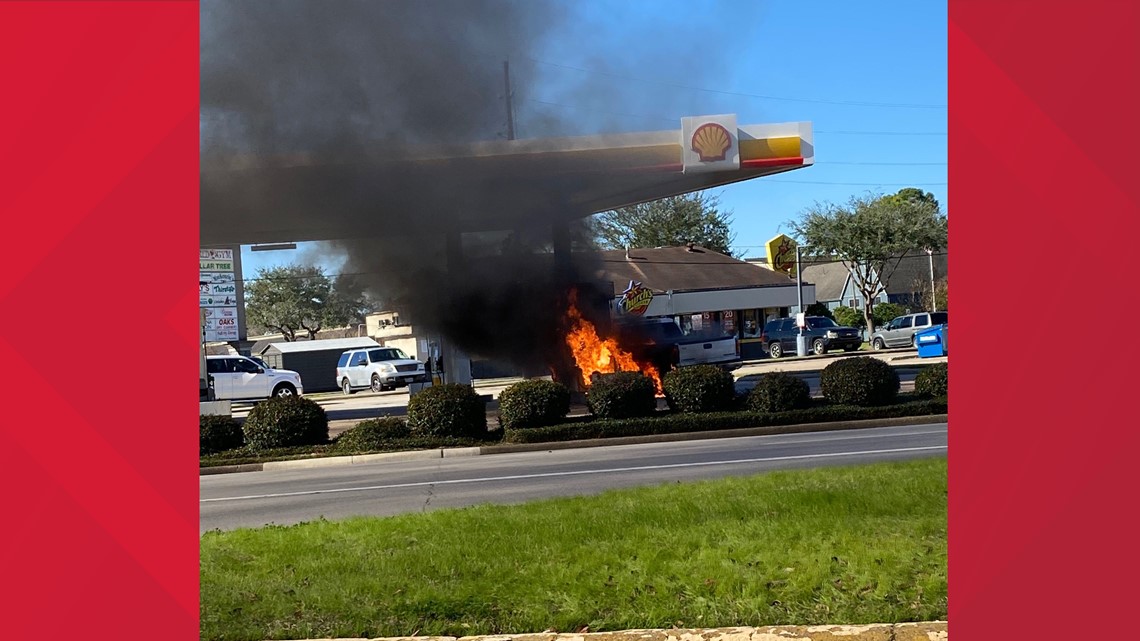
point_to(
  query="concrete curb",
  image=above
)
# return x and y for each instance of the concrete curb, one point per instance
(923, 631)
(457, 452)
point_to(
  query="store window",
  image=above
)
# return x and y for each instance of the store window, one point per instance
(750, 325)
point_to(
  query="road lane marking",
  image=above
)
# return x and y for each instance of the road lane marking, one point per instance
(518, 477)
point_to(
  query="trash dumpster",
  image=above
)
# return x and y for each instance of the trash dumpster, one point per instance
(931, 342)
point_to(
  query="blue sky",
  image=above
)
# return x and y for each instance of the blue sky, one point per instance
(821, 61)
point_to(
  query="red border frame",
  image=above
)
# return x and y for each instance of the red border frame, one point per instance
(99, 203)
(1043, 134)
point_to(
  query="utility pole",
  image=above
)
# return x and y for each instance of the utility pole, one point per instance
(801, 341)
(509, 100)
(933, 297)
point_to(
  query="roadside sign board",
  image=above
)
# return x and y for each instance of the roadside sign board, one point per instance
(220, 294)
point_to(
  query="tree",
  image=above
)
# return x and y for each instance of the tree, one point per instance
(668, 222)
(922, 299)
(871, 235)
(293, 298)
(886, 312)
(847, 316)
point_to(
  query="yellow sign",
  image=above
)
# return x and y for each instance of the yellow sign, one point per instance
(635, 299)
(782, 254)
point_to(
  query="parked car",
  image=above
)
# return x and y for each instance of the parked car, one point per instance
(900, 331)
(378, 369)
(823, 335)
(661, 342)
(238, 378)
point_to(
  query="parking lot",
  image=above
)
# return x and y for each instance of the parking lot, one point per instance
(345, 411)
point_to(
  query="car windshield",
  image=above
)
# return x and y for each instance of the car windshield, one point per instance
(259, 362)
(387, 354)
(821, 323)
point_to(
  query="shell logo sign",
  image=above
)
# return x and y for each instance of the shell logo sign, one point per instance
(782, 254)
(710, 143)
(635, 299)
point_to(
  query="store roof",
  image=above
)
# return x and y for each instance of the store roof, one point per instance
(683, 269)
(293, 347)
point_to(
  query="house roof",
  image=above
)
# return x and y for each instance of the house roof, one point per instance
(829, 279)
(915, 269)
(294, 347)
(681, 269)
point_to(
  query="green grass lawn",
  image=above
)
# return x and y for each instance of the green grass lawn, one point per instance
(835, 545)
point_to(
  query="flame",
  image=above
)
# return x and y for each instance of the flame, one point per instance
(594, 354)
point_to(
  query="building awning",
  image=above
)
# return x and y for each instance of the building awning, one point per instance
(497, 185)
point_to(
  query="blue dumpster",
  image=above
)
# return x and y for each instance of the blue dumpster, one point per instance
(931, 342)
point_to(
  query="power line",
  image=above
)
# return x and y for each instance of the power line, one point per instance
(805, 260)
(845, 184)
(881, 133)
(850, 103)
(882, 164)
(675, 119)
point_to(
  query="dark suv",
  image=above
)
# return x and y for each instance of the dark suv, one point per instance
(823, 335)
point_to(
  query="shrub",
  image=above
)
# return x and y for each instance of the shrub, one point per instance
(533, 403)
(931, 381)
(779, 392)
(860, 380)
(849, 317)
(218, 434)
(884, 313)
(447, 410)
(678, 423)
(285, 421)
(373, 434)
(622, 395)
(701, 388)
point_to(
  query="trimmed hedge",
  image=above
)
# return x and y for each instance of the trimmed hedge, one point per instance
(859, 380)
(285, 421)
(701, 388)
(622, 395)
(218, 434)
(677, 423)
(932, 381)
(373, 434)
(447, 410)
(779, 392)
(533, 403)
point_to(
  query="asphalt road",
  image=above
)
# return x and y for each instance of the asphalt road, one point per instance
(254, 499)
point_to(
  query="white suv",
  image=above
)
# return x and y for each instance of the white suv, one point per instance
(378, 369)
(239, 378)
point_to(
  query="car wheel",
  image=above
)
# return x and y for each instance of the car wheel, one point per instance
(284, 390)
(346, 387)
(914, 341)
(818, 348)
(877, 344)
(775, 351)
(377, 386)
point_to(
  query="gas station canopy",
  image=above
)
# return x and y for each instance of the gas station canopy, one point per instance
(492, 185)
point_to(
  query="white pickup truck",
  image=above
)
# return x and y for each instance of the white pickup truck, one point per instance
(239, 378)
(662, 342)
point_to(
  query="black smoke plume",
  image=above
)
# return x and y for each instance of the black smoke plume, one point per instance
(339, 87)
